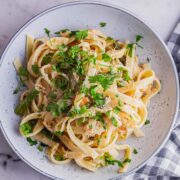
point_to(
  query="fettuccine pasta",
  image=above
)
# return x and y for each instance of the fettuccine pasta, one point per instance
(86, 93)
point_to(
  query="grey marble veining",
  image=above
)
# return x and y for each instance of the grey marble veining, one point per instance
(162, 15)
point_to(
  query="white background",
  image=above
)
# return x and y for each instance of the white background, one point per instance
(161, 15)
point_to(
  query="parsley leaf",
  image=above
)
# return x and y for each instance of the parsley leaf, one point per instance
(23, 106)
(60, 82)
(59, 157)
(127, 160)
(23, 74)
(47, 58)
(135, 151)
(147, 122)
(116, 109)
(130, 49)
(109, 160)
(106, 57)
(98, 98)
(104, 79)
(81, 34)
(47, 31)
(114, 121)
(26, 128)
(31, 142)
(138, 38)
(99, 117)
(102, 24)
(61, 31)
(59, 132)
(78, 111)
(40, 148)
(62, 105)
(35, 69)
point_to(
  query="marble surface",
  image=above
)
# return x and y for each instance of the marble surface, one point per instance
(162, 15)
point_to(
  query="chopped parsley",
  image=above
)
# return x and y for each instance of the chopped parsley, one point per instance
(106, 57)
(99, 117)
(147, 122)
(60, 82)
(78, 111)
(23, 74)
(62, 106)
(40, 148)
(90, 126)
(138, 38)
(35, 69)
(116, 109)
(81, 34)
(148, 60)
(59, 133)
(84, 90)
(31, 142)
(61, 31)
(102, 24)
(59, 157)
(47, 58)
(125, 74)
(98, 99)
(114, 121)
(47, 31)
(18, 89)
(105, 80)
(120, 103)
(26, 128)
(109, 160)
(127, 160)
(135, 151)
(130, 48)
(23, 106)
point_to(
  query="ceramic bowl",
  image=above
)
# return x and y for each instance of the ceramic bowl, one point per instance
(121, 25)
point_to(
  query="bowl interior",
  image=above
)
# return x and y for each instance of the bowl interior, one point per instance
(120, 25)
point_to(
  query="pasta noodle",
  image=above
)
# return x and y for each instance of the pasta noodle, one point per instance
(85, 94)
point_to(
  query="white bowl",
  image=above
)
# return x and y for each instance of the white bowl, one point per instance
(120, 25)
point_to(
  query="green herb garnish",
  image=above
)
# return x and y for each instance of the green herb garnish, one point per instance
(61, 31)
(105, 80)
(47, 31)
(102, 24)
(23, 74)
(127, 160)
(47, 58)
(31, 142)
(26, 128)
(116, 109)
(60, 82)
(109, 160)
(106, 57)
(59, 133)
(81, 34)
(78, 111)
(138, 38)
(35, 69)
(135, 151)
(23, 106)
(59, 157)
(40, 148)
(98, 99)
(147, 122)
(99, 117)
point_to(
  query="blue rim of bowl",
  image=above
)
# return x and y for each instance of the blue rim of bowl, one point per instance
(132, 15)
